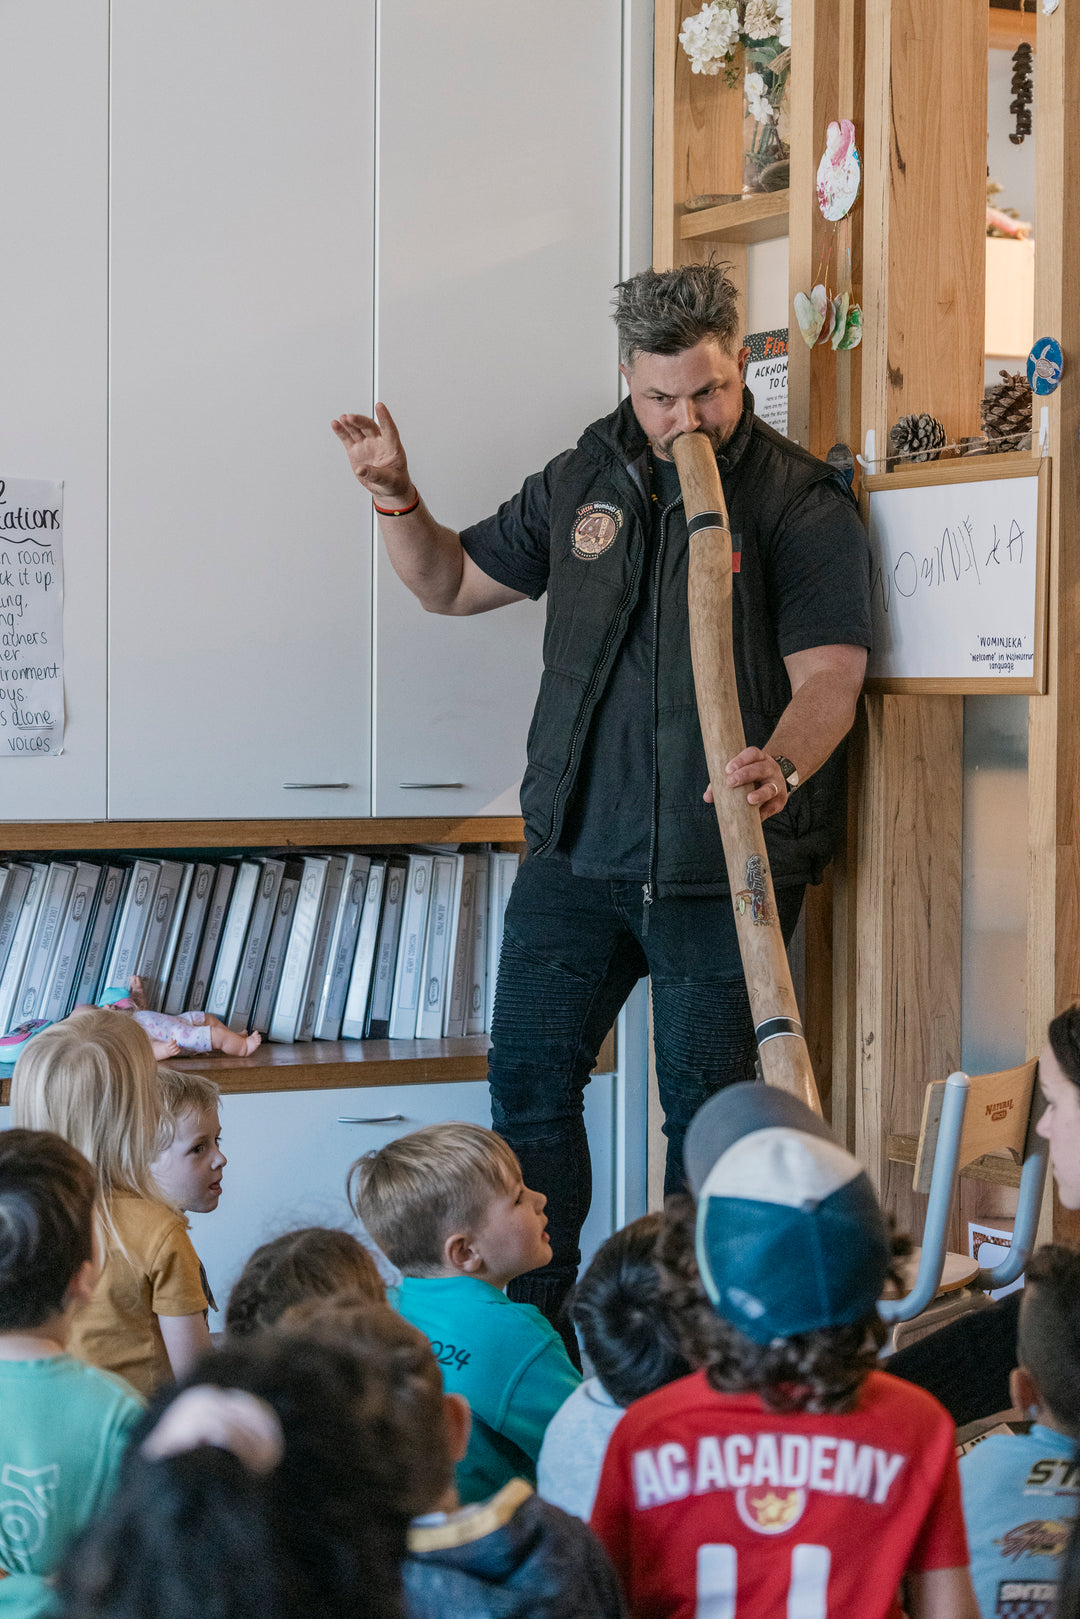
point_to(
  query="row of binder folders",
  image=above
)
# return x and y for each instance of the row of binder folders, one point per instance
(347, 945)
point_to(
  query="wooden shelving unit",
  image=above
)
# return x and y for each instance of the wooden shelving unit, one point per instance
(316, 1064)
(319, 1065)
(757, 218)
(87, 836)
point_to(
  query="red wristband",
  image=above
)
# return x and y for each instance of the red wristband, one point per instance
(401, 512)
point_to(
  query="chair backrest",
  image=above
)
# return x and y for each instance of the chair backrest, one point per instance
(965, 1119)
(995, 1119)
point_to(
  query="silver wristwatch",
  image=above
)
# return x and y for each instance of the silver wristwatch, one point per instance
(788, 771)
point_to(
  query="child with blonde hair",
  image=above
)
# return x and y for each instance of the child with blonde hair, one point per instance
(447, 1206)
(93, 1080)
(189, 1162)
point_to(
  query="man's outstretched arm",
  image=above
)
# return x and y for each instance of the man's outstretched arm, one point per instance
(427, 557)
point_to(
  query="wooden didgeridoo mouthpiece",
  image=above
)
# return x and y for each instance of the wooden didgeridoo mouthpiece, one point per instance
(785, 1061)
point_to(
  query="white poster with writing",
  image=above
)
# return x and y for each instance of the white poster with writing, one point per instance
(958, 574)
(31, 618)
(766, 376)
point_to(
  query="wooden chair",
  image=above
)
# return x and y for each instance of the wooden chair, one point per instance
(976, 1125)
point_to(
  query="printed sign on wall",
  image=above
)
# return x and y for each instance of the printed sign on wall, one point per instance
(766, 376)
(31, 618)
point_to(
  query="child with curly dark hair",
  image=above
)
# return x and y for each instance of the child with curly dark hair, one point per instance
(788, 1475)
(265, 1486)
(313, 1262)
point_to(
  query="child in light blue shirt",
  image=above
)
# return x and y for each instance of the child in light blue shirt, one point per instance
(448, 1207)
(1020, 1490)
(63, 1425)
(626, 1325)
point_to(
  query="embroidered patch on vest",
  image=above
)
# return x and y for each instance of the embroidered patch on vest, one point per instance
(595, 528)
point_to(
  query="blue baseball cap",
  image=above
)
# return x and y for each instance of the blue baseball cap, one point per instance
(790, 1236)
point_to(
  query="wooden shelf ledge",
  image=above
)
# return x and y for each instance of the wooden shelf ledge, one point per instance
(318, 1065)
(999, 1171)
(16, 836)
(758, 218)
(324, 1065)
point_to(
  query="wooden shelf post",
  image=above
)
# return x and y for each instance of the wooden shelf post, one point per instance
(1053, 958)
(924, 152)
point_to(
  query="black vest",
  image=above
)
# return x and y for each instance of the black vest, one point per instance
(594, 582)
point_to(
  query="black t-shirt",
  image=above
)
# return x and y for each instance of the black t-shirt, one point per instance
(817, 597)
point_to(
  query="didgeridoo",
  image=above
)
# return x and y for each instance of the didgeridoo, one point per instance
(782, 1051)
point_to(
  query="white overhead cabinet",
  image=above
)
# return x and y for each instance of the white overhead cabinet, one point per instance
(54, 366)
(499, 174)
(242, 209)
(226, 222)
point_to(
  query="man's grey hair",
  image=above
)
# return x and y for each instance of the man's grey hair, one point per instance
(667, 311)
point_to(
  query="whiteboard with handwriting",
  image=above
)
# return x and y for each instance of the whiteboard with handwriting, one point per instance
(958, 576)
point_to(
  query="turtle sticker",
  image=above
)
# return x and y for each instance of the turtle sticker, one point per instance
(594, 530)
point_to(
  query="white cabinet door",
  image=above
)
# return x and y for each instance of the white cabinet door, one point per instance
(242, 228)
(53, 339)
(498, 248)
(289, 1155)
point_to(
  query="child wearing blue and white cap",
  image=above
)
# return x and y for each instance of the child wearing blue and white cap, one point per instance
(788, 1478)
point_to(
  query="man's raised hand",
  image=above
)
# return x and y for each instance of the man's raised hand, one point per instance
(375, 453)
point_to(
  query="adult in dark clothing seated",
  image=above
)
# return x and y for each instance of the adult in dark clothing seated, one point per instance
(966, 1365)
(625, 871)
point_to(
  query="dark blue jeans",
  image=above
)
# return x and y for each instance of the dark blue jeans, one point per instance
(573, 949)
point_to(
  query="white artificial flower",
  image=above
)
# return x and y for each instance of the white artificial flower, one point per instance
(709, 35)
(783, 21)
(760, 19)
(757, 103)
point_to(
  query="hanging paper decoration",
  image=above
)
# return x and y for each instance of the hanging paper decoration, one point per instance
(826, 317)
(1021, 87)
(839, 171)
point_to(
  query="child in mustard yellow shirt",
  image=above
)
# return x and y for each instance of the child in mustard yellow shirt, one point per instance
(93, 1080)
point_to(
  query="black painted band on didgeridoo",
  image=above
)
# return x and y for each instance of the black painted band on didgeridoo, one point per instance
(773, 1027)
(706, 520)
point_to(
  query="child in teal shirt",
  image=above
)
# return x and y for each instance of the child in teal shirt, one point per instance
(448, 1207)
(1020, 1490)
(63, 1425)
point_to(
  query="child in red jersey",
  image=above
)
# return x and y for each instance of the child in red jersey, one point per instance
(788, 1478)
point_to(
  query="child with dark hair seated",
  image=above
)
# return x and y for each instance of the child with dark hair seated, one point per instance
(620, 1309)
(511, 1557)
(314, 1262)
(265, 1487)
(1020, 1490)
(63, 1425)
(788, 1475)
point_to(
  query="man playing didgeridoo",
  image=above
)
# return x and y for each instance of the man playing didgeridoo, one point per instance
(625, 870)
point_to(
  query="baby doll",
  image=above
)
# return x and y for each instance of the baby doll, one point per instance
(196, 1032)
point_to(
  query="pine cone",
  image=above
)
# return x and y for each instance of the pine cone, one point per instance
(1006, 410)
(917, 438)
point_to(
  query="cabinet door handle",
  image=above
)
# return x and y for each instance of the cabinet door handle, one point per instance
(314, 786)
(390, 1118)
(429, 785)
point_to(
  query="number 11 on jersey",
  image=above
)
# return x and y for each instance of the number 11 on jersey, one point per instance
(718, 1578)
